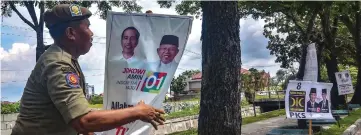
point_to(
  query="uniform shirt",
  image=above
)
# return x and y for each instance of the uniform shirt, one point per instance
(53, 96)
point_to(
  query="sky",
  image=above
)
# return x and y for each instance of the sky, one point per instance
(18, 43)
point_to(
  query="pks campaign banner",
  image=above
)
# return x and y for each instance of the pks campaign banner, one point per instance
(143, 53)
(308, 100)
(344, 82)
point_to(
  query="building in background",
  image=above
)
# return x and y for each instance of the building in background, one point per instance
(89, 91)
(193, 84)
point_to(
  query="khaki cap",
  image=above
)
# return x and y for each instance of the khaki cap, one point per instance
(65, 13)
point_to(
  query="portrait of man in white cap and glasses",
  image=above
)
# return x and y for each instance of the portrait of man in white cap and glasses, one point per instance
(167, 51)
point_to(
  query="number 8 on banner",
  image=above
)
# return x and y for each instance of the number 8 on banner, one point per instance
(153, 82)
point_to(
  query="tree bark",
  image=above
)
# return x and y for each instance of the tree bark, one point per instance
(331, 65)
(40, 48)
(221, 58)
(301, 70)
(306, 38)
(356, 97)
(329, 31)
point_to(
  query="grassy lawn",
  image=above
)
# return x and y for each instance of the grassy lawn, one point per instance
(246, 120)
(198, 98)
(186, 112)
(96, 105)
(263, 116)
(281, 96)
(344, 124)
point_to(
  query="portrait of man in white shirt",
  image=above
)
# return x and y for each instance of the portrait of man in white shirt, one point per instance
(129, 41)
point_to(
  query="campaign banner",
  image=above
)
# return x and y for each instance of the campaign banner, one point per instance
(344, 82)
(311, 66)
(308, 100)
(143, 53)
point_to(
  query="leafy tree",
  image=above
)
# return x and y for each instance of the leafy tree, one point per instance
(280, 76)
(178, 84)
(7, 7)
(351, 17)
(96, 99)
(247, 87)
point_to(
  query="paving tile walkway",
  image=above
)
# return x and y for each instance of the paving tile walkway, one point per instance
(358, 132)
(264, 126)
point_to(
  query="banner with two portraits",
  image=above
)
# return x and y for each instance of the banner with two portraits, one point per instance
(308, 100)
(344, 82)
(143, 53)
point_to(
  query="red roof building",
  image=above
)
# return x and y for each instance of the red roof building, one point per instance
(243, 71)
(194, 84)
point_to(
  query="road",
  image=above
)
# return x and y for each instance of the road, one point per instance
(263, 127)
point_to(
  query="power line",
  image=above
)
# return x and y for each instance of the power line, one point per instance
(12, 70)
(29, 29)
(11, 34)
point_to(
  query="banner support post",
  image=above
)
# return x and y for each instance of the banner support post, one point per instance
(310, 127)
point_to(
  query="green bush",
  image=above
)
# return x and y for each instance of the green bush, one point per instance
(10, 108)
(96, 99)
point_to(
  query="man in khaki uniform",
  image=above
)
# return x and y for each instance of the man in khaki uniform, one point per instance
(53, 102)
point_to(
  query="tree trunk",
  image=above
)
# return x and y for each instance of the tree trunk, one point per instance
(221, 58)
(319, 58)
(40, 48)
(301, 70)
(249, 96)
(331, 65)
(356, 97)
(39, 44)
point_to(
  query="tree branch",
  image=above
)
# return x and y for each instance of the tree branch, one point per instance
(334, 27)
(347, 21)
(12, 6)
(30, 7)
(298, 25)
(41, 19)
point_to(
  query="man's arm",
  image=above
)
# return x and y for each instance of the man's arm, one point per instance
(68, 97)
(102, 120)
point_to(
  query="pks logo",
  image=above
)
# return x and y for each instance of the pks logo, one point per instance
(153, 82)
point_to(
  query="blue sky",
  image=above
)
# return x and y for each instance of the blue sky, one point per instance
(18, 50)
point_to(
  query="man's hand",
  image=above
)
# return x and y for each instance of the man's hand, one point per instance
(150, 114)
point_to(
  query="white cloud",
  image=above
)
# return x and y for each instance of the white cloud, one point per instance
(22, 55)
(16, 62)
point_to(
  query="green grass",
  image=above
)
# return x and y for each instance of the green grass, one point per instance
(186, 112)
(192, 131)
(344, 124)
(96, 105)
(245, 121)
(281, 96)
(263, 116)
(198, 98)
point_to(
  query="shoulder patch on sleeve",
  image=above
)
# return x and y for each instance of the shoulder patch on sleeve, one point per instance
(72, 80)
(67, 69)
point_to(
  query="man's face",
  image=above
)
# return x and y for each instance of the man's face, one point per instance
(324, 96)
(167, 52)
(129, 40)
(83, 37)
(313, 97)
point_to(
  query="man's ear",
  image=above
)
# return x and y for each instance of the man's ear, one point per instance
(70, 33)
